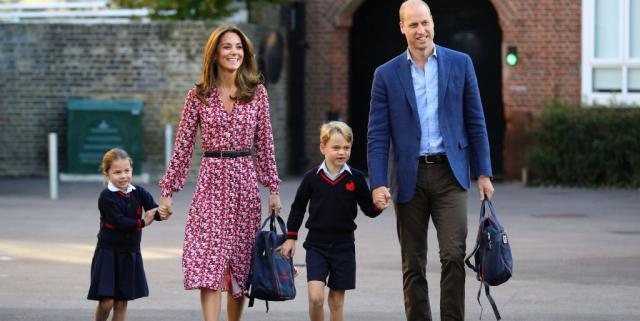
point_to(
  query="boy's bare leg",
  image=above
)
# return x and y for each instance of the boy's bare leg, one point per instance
(234, 307)
(119, 311)
(316, 300)
(336, 305)
(210, 301)
(103, 309)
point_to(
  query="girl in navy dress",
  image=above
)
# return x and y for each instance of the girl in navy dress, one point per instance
(117, 273)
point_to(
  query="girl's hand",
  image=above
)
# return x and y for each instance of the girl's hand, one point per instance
(149, 216)
(274, 203)
(288, 248)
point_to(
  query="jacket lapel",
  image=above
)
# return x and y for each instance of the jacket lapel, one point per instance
(443, 82)
(443, 76)
(403, 70)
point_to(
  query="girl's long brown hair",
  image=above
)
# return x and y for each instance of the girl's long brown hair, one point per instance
(247, 77)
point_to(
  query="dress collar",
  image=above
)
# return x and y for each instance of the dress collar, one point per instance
(113, 188)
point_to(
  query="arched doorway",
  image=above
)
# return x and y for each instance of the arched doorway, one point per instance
(470, 26)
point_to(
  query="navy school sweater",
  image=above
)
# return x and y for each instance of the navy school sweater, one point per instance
(122, 218)
(332, 206)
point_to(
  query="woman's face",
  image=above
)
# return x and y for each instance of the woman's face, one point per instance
(229, 53)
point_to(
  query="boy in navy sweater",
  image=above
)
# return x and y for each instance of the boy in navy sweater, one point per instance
(333, 190)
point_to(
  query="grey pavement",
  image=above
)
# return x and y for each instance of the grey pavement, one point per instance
(576, 253)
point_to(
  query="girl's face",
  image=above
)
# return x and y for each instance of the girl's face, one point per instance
(336, 151)
(230, 52)
(120, 173)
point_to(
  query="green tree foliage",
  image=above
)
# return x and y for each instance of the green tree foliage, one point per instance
(586, 146)
(183, 9)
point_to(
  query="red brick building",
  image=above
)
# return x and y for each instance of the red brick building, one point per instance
(347, 39)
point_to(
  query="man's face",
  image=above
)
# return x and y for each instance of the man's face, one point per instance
(417, 27)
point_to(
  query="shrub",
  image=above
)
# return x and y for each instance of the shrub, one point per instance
(586, 146)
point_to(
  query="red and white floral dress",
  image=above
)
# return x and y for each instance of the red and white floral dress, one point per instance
(224, 215)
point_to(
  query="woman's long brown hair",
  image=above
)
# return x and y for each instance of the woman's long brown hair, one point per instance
(247, 77)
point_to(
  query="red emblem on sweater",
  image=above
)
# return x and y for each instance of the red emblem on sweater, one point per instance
(351, 186)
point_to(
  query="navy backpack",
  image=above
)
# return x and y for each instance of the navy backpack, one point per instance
(492, 254)
(271, 277)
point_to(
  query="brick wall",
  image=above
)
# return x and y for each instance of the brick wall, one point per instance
(327, 71)
(547, 34)
(42, 66)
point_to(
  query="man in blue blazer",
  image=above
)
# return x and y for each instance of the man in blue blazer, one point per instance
(426, 137)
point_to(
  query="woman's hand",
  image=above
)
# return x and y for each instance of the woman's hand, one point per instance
(274, 203)
(165, 207)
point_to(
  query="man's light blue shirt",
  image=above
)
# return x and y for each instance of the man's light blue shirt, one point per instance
(425, 86)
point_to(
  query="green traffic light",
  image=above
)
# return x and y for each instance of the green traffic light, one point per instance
(512, 59)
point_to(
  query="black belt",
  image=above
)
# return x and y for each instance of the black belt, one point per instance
(227, 153)
(433, 159)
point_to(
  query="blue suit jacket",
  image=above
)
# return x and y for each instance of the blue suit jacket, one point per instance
(394, 129)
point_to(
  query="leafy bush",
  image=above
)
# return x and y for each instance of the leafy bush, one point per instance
(586, 146)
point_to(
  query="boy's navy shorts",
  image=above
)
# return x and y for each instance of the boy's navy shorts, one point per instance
(334, 260)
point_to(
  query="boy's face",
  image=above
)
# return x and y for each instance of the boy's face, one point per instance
(336, 151)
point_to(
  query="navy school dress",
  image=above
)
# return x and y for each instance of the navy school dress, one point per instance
(117, 271)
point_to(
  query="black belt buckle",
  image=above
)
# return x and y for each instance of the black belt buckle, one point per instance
(433, 159)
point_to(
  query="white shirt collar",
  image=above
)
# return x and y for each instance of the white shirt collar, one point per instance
(323, 167)
(435, 54)
(113, 188)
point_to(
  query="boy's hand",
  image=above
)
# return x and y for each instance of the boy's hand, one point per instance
(149, 216)
(381, 196)
(288, 247)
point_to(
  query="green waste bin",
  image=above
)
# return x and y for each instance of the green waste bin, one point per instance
(96, 126)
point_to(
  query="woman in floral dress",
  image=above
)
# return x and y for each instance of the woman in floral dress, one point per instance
(230, 107)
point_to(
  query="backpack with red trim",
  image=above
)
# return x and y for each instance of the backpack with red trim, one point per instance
(272, 275)
(493, 263)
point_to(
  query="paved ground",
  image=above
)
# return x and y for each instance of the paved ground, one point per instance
(577, 257)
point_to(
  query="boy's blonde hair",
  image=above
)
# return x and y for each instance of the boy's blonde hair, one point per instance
(111, 156)
(333, 127)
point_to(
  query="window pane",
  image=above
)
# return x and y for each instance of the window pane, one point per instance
(607, 28)
(634, 80)
(634, 33)
(607, 79)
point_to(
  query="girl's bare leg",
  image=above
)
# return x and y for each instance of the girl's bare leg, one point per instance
(103, 309)
(119, 311)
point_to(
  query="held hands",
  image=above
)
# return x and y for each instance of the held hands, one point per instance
(381, 197)
(149, 216)
(288, 248)
(485, 187)
(166, 208)
(274, 203)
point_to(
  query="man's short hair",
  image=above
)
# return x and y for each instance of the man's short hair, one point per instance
(404, 4)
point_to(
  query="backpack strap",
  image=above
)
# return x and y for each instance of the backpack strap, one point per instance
(467, 260)
(488, 294)
(493, 303)
(251, 300)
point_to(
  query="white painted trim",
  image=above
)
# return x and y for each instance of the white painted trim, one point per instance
(624, 62)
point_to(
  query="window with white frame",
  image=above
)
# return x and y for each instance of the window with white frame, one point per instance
(611, 52)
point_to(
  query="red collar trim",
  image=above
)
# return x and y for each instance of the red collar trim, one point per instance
(332, 182)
